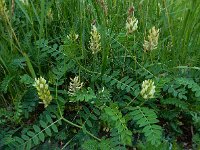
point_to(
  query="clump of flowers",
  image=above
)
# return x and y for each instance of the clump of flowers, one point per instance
(75, 85)
(95, 43)
(43, 90)
(152, 41)
(72, 36)
(131, 22)
(148, 89)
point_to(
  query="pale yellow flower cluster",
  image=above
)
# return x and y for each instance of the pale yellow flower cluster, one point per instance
(43, 91)
(131, 21)
(152, 41)
(148, 89)
(131, 24)
(74, 86)
(72, 37)
(95, 40)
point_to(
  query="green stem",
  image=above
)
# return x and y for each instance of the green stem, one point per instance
(30, 66)
(143, 102)
(67, 143)
(71, 123)
(131, 101)
(57, 101)
(80, 127)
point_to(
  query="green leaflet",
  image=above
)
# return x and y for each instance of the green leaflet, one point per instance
(146, 119)
(115, 119)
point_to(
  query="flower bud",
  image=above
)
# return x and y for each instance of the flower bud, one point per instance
(43, 91)
(95, 43)
(148, 89)
(74, 86)
(152, 41)
(131, 24)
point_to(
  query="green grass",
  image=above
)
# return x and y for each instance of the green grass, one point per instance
(34, 43)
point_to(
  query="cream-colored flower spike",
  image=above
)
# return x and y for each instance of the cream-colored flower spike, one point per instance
(95, 40)
(43, 91)
(72, 36)
(148, 89)
(131, 21)
(131, 24)
(152, 41)
(74, 86)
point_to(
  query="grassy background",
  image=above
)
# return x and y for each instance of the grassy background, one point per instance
(25, 29)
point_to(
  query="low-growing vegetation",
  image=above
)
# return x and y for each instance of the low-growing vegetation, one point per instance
(100, 74)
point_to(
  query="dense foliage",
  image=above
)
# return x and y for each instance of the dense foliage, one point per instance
(100, 74)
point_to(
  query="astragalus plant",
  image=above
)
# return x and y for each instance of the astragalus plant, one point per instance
(107, 74)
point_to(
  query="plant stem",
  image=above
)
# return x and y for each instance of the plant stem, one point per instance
(71, 123)
(80, 127)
